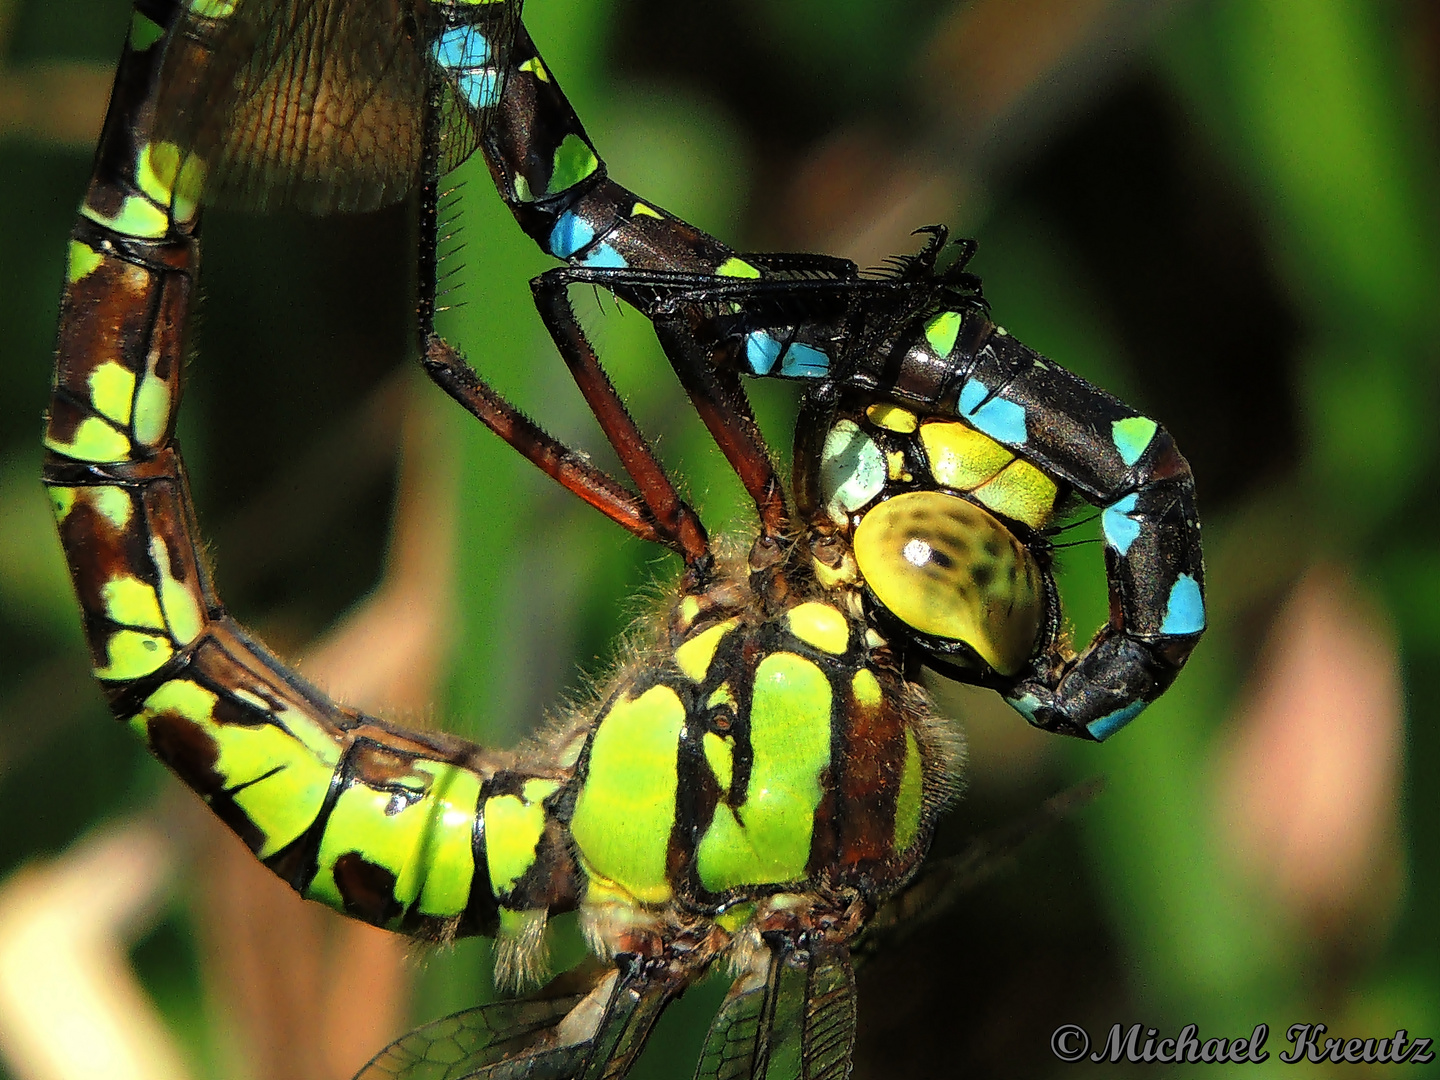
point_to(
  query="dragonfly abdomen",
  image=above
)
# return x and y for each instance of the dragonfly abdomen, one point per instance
(386, 825)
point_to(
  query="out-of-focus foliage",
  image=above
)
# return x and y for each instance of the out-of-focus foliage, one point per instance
(1224, 211)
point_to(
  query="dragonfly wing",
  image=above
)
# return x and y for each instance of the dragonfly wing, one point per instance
(320, 104)
(600, 1038)
(943, 881)
(460, 1045)
(327, 111)
(308, 103)
(470, 65)
(560, 1033)
(793, 1021)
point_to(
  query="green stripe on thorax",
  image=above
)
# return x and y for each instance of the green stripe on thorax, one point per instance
(625, 809)
(766, 837)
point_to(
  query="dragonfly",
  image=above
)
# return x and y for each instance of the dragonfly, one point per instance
(758, 787)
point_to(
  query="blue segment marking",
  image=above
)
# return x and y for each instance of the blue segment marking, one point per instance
(796, 360)
(605, 257)
(1119, 528)
(570, 234)
(461, 47)
(761, 352)
(804, 362)
(1185, 610)
(1107, 725)
(464, 52)
(1003, 421)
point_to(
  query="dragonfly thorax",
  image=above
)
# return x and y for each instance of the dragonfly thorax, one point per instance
(772, 770)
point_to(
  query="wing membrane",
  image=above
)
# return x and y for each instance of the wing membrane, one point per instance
(320, 104)
(587, 1025)
(793, 1021)
(944, 881)
(466, 1043)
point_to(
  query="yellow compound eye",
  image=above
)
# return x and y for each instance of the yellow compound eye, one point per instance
(947, 568)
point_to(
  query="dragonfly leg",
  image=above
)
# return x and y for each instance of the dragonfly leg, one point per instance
(570, 468)
(675, 518)
(714, 389)
(658, 514)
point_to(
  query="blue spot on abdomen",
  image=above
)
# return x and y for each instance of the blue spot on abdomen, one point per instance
(1119, 528)
(804, 362)
(1003, 421)
(605, 257)
(461, 47)
(796, 360)
(570, 234)
(761, 352)
(1112, 722)
(480, 88)
(1025, 706)
(1185, 610)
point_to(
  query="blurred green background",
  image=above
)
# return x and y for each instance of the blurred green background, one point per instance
(1223, 211)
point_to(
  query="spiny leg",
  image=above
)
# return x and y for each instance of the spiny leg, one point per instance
(675, 517)
(658, 514)
(712, 328)
(556, 185)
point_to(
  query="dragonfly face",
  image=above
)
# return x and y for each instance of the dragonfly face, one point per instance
(766, 774)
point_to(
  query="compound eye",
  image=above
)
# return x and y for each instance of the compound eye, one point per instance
(945, 567)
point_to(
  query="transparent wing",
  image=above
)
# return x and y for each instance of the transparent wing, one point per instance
(462, 1045)
(944, 881)
(793, 1021)
(469, 96)
(586, 1025)
(320, 104)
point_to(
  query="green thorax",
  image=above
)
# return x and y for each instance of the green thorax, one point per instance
(760, 755)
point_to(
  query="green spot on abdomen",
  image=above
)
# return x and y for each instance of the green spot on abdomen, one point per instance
(112, 390)
(152, 411)
(1132, 436)
(93, 440)
(130, 654)
(941, 332)
(574, 161)
(131, 602)
(736, 267)
(83, 258)
(513, 827)
(448, 855)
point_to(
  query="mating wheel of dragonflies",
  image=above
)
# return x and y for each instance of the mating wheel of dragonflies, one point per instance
(756, 785)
